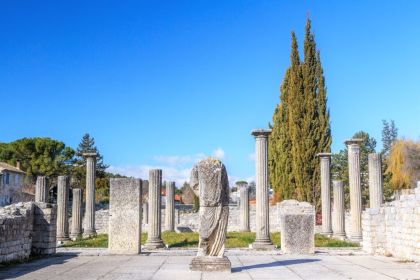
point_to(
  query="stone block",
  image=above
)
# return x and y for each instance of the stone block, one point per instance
(210, 264)
(297, 225)
(125, 216)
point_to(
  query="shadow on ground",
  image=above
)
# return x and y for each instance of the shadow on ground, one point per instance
(19, 269)
(274, 264)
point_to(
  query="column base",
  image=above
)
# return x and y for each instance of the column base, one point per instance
(327, 233)
(208, 263)
(75, 236)
(62, 238)
(89, 234)
(339, 235)
(154, 244)
(265, 244)
(356, 238)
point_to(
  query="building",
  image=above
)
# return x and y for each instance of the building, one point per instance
(11, 181)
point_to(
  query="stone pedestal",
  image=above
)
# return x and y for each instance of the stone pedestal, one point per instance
(375, 181)
(76, 217)
(339, 210)
(210, 264)
(170, 209)
(353, 147)
(41, 189)
(89, 229)
(154, 240)
(125, 216)
(244, 207)
(62, 208)
(297, 227)
(262, 240)
(325, 159)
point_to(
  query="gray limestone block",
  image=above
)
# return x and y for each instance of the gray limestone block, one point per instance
(125, 216)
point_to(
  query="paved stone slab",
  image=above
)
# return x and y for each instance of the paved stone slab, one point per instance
(174, 264)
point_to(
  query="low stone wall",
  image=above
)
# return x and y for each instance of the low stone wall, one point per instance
(394, 228)
(27, 229)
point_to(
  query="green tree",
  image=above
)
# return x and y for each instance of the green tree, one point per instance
(389, 137)
(39, 156)
(340, 170)
(300, 127)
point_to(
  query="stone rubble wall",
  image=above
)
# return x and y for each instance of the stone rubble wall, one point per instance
(394, 228)
(27, 229)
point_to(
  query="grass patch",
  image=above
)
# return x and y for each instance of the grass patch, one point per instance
(190, 239)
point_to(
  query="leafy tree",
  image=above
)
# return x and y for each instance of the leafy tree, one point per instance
(340, 168)
(301, 127)
(39, 156)
(389, 136)
(404, 164)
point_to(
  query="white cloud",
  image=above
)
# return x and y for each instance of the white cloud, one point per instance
(219, 153)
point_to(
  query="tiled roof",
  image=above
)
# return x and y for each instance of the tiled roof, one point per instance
(8, 167)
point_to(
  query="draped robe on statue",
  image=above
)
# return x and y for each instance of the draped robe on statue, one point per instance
(209, 181)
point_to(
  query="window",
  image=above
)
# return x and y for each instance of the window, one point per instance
(6, 181)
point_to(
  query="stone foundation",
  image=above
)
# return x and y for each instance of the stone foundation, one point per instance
(27, 229)
(394, 228)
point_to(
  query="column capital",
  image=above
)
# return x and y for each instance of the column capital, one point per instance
(355, 141)
(264, 133)
(324, 155)
(90, 154)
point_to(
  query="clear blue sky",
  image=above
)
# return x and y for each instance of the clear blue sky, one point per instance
(160, 84)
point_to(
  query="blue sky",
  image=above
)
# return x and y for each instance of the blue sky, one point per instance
(163, 84)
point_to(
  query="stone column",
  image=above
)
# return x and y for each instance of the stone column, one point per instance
(375, 181)
(339, 210)
(41, 189)
(62, 208)
(89, 229)
(353, 147)
(170, 209)
(244, 207)
(76, 217)
(154, 239)
(146, 213)
(262, 240)
(325, 159)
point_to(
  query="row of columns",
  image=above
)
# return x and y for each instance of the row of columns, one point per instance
(63, 189)
(375, 191)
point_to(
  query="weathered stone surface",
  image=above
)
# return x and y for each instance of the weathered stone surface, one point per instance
(125, 216)
(262, 240)
(76, 217)
(210, 264)
(297, 224)
(169, 207)
(325, 160)
(353, 147)
(154, 228)
(89, 229)
(375, 180)
(244, 207)
(62, 208)
(209, 181)
(339, 211)
(41, 189)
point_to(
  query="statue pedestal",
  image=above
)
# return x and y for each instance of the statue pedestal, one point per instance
(210, 264)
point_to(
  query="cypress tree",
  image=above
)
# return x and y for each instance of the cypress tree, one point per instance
(301, 126)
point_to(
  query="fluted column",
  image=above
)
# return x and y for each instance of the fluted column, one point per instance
(76, 217)
(353, 147)
(244, 207)
(41, 189)
(325, 160)
(154, 239)
(145, 212)
(89, 229)
(339, 211)
(375, 180)
(62, 208)
(170, 209)
(262, 240)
